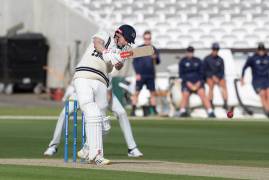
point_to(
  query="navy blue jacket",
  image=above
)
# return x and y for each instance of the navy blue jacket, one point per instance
(145, 65)
(191, 70)
(259, 66)
(214, 66)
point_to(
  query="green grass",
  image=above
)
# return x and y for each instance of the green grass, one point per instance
(8, 172)
(33, 111)
(211, 142)
(30, 111)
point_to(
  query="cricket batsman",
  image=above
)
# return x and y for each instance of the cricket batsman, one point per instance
(116, 108)
(91, 82)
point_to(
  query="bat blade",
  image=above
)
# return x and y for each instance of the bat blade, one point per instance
(138, 52)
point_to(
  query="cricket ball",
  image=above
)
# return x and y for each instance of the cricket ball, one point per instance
(230, 114)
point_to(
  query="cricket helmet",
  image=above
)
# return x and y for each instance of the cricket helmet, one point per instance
(128, 32)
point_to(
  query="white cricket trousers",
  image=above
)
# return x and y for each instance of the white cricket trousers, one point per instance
(92, 99)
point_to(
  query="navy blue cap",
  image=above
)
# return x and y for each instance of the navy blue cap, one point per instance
(128, 32)
(261, 46)
(190, 49)
(215, 46)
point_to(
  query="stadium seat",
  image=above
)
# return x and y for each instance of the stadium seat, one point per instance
(260, 18)
(250, 26)
(251, 10)
(227, 26)
(197, 44)
(162, 26)
(185, 39)
(238, 18)
(175, 17)
(155, 31)
(196, 33)
(206, 26)
(195, 19)
(141, 27)
(208, 40)
(229, 40)
(266, 24)
(169, 9)
(181, 9)
(218, 32)
(208, 1)
(184, 26)
(229, 10)
(239, 33)
(143, 10)
(266, 12)
(250, 2)
(120, 1)
(262, 32)
(265, 3)
(165, 1)
(216, 18)
(163, 39)
(174, 44)
(213, 9)
(252, 39)
(240, 44)
(174, 32)
(223, 44)
(152, 17)
(229, 1)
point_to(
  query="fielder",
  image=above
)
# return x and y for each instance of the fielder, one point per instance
(91, 82)
(259, 64)
(118, 111)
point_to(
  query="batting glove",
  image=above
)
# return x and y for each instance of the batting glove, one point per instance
(114, 58)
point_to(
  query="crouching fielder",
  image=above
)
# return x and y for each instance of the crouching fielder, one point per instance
(118, 111)
(91, 82)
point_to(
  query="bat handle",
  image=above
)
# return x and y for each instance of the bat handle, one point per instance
(126, 54)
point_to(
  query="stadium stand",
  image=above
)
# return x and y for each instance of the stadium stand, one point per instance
(195, 21)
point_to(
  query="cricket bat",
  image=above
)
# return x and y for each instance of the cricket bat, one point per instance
(138, 52)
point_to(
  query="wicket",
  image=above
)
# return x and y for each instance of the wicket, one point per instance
(66, 128)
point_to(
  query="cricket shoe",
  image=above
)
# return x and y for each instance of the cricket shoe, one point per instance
(83, 153)
(100, 161)
(211, 115)
(184, 114)
(50, 151)
(135, 153)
